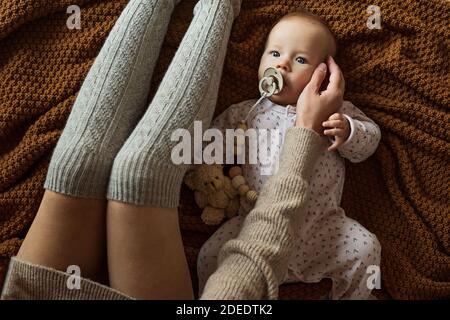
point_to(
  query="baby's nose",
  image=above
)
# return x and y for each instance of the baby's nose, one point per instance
(283, 66)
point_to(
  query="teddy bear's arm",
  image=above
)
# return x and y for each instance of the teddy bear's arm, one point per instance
(219, 199)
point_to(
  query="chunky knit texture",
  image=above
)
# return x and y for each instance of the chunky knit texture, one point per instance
(398, 76)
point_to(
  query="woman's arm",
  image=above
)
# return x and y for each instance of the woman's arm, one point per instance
(253, 265)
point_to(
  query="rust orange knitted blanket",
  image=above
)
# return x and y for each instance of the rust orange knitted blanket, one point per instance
(398, 75)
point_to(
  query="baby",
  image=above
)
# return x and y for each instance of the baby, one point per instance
(329, 244)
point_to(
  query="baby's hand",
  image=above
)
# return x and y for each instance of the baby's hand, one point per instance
(341, 129)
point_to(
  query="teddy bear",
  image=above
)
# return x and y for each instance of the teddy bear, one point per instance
(216, 194)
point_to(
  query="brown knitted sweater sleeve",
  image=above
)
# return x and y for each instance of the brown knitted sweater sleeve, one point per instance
(253, 265)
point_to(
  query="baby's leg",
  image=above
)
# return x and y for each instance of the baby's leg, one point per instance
(145, 250)
(69, 228)
(339, 248)
(360, 250)
(207, 257)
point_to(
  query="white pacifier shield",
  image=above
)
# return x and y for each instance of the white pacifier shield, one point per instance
(271, 83)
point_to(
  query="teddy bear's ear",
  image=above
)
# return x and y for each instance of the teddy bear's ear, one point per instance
(189, 179)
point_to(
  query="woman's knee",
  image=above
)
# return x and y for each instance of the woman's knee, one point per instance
(139, 163)
(126, 158)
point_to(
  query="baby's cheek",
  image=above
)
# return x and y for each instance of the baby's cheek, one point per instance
(303, 79)
(299, 89)
(262, 67)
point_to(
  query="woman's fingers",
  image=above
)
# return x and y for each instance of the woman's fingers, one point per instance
(336, 77)
(318, 76)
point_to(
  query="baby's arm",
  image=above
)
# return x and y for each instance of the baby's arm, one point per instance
(364, 136)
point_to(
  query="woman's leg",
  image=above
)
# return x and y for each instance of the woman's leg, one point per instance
(145, 252)
(67, 231)
(146, 257)
(70, 225)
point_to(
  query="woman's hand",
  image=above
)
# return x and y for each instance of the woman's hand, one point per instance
(315, 107)
(340, 129)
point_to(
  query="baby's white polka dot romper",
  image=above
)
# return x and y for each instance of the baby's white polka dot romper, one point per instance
(329, 244)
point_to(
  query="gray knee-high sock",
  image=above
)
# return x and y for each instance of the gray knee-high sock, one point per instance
(111, 100)
(143, 173)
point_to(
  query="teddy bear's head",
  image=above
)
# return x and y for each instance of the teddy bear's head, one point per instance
(205, 178)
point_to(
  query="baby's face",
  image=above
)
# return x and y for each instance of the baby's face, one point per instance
(295, 47)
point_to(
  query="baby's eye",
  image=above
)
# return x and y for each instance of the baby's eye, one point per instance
(301, 60)
(274, 53)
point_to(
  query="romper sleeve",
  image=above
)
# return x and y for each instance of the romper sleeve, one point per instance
(364, 137)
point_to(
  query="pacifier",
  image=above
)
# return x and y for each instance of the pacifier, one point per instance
(271, 83)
